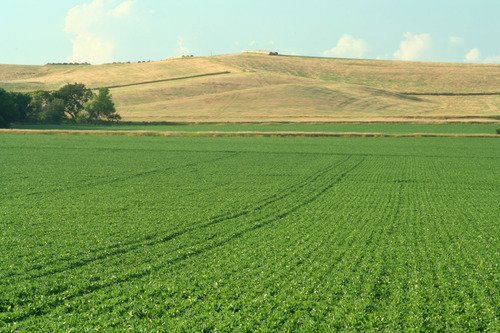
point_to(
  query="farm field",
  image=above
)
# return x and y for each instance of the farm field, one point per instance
(249, 234)
(401, 128)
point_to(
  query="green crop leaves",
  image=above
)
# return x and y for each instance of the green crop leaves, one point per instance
(248, 234)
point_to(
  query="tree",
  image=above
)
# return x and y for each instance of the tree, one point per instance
(22, 102)
(45, 108)
(8, 109)
(75, 96)
(101, 107)
(39, 102)
(53, 112)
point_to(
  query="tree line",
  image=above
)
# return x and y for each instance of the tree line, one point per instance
(73, 103)
(67, 64)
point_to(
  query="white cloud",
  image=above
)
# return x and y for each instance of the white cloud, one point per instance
(181, 48)
(89, 23)
(92, 49)
(124, 9)
(413, 47)
(348, 47)
(474, 55)
(456, 40)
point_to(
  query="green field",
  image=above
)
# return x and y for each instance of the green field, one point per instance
(248, 234)
(460, 128)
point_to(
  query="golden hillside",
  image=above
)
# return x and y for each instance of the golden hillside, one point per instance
(256, 88)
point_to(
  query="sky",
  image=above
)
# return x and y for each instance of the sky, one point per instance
(101, 31)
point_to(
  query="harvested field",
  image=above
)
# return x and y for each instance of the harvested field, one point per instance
(260, 88)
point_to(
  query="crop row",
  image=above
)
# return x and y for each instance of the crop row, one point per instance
(250, 234)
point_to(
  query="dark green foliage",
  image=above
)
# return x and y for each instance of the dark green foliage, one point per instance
(73, 100)
(53, 113)
(39, 102)
(9, 111)
(46, 109)
(101, 107)
(22, 102)
(75, 97)
(155, 234)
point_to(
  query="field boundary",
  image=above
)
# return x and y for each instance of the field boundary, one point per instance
(450, 94)
(485, 119)
(165, 80)
(248, 134)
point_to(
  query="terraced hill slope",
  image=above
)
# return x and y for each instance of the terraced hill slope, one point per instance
(261, 88)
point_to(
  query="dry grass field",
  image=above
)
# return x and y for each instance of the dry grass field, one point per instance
(261, 88)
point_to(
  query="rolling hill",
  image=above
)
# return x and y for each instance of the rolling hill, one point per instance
(262, 88)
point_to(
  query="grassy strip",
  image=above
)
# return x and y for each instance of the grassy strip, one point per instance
(249, 134)
(277, 127)
(166, 80)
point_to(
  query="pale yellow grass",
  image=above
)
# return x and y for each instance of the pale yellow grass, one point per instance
(53, 77)
(395, 76)
(262, 88)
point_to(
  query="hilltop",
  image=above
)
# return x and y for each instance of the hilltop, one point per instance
(261, 88)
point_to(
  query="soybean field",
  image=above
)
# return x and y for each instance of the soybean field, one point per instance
(115, 233)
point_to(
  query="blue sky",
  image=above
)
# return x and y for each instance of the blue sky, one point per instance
(41, 31)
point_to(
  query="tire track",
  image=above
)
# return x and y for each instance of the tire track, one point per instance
(131, 246)
(261, 223)
(108, 180)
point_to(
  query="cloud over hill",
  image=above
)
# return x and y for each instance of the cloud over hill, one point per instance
(348, 46)
(89, 24)
(413, 47)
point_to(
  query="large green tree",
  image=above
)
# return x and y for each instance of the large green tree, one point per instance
(101, 107)
(39, 101)
(75, 97)
(53, 113)
(22, 102)
(45, 108)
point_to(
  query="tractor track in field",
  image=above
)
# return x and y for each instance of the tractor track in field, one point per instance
(220, 218)
(107, 180)
(361, 235)
(261, 222)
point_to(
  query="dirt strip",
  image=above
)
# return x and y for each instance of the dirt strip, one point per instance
(249, 134)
